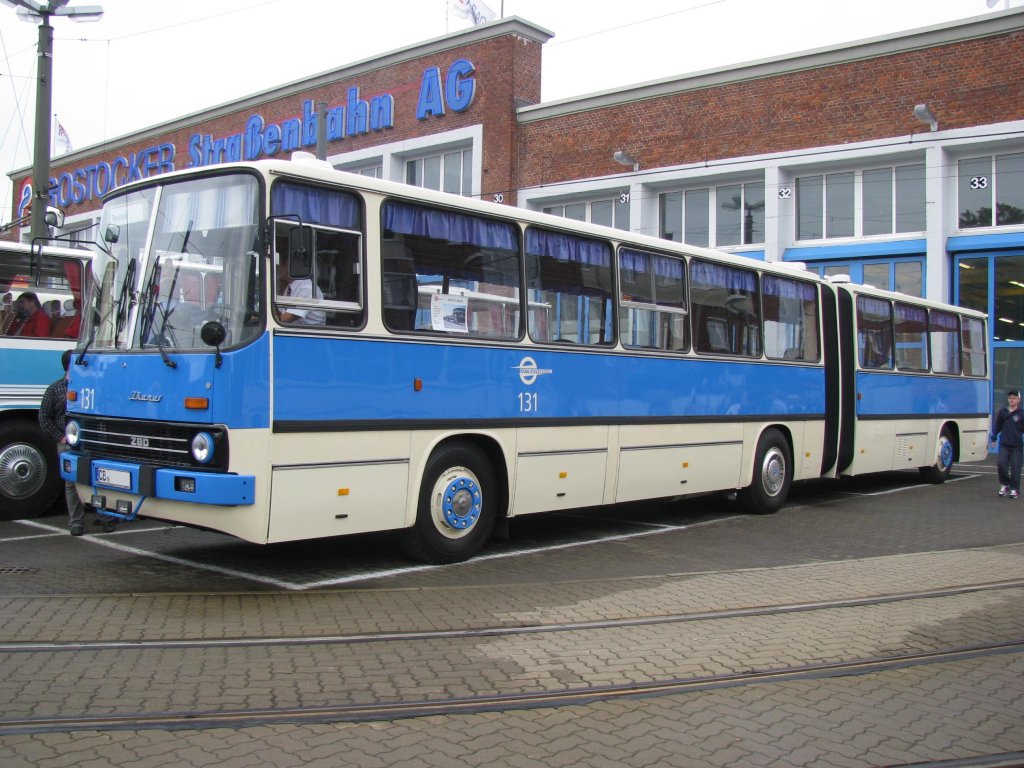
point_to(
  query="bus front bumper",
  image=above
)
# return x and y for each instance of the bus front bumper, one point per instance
(110, 478)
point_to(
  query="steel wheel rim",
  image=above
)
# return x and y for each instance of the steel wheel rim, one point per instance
(22, 471)
(945, 453)
(456, 503)
(773, 471)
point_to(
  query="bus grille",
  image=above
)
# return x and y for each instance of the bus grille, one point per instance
(147, 442)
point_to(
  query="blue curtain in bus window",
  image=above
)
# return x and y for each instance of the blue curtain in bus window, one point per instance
(735, 280)
(452, 227)
(788, 289)
(555, 245)
(313, 205)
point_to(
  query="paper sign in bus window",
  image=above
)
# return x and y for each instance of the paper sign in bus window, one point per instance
(448, 312)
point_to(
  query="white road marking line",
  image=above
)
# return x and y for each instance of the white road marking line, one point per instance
(106, 542)
(907, 487)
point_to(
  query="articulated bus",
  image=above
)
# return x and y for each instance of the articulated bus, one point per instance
(361, 355)
(30, 353)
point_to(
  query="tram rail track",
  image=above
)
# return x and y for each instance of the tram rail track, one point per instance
(505, 630)
(239, 718)
(578, 693)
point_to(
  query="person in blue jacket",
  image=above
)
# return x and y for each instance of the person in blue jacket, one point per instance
(1008, 430)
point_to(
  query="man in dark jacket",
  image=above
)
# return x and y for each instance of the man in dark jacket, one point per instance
(52, 419)
(1008, 429)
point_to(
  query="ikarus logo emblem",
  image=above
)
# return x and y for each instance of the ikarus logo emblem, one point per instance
(136, 395)
(528, 370)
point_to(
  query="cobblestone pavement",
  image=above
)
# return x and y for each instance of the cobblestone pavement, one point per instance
(198, 653)
(940, 711)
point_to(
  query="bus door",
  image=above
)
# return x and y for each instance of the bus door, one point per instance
(847, 342)
(829, 322)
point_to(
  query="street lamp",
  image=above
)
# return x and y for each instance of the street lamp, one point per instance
(39, 12)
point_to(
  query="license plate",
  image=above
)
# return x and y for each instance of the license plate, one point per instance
(113, 478)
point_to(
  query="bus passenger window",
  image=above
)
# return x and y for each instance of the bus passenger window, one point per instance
(571, 277)
(874, 332)
(333, 295)
(652, 301)
(911, 337)
(944, 332)
(726, 309)
(790, 319)
(973, 355)
(451, 273)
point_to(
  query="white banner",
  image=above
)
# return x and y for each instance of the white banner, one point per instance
(473, 9)
(62, 141)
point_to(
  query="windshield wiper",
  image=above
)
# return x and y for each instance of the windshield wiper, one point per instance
(118, 307)
(159, 338)
(124, 310)
(151, 305)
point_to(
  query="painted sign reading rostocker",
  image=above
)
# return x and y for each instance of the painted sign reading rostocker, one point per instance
(259, 139)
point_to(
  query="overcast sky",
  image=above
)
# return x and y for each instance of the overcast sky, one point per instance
(147, 62)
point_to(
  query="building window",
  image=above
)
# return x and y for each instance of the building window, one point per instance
(609, 212)
(825, 206)
(736, 219)
(447, 172)
(905, 276)
(981, 191)
(893, 200)
(374, 171)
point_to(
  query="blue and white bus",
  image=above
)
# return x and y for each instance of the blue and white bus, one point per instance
(29, 360)
(283, 351)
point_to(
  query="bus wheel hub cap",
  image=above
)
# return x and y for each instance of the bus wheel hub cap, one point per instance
(22, 471)
(461, 503)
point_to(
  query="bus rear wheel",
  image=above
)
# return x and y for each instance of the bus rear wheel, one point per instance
(455, 513)
(939, 471)
(773, 474)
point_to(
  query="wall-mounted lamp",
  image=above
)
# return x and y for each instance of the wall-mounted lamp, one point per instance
(922, 113)
(624, 158)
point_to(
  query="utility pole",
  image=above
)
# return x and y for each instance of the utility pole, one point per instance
(38, 12)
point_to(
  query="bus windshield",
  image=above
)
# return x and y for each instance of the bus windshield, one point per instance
(173, 258)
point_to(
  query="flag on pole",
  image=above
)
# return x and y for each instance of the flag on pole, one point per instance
(62, 141)
(474, 10)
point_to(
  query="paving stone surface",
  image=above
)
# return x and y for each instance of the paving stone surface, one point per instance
(338, 647)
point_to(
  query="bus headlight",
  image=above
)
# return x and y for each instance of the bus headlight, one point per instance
(72, 432)
(202, 447)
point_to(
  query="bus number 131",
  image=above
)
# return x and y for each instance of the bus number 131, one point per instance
(528, 402)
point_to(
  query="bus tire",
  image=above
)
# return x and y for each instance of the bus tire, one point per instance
(28, 472)
(455, 513)
(940, 470)
(773, 474)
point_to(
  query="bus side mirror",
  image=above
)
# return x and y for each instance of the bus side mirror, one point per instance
(300, 253)
(213, 334)
(112, 233)
(54, 217)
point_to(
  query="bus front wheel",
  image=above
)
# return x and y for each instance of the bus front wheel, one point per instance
(773, 474)
(455, 513)
(940, 470)
(29, 482)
